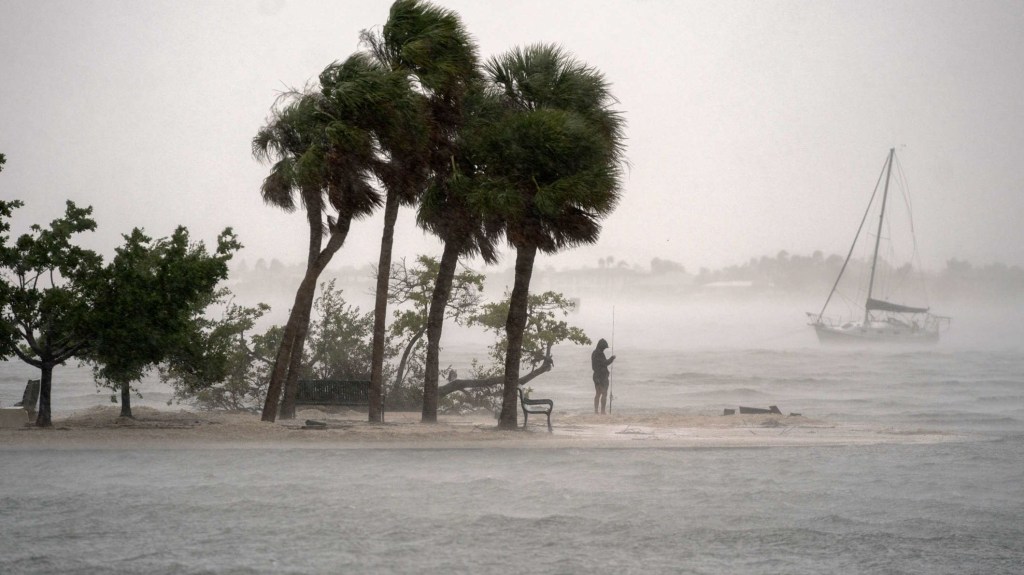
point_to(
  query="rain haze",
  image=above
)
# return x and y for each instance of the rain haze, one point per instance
(734, 442)
(753, 127)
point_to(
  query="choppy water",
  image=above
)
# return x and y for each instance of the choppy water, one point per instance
(941, 508)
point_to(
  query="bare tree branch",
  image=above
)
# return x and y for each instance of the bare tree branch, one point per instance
(464, 384)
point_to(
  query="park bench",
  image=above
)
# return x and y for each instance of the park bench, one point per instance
(346, 393)
(535, 406)
(30, 398)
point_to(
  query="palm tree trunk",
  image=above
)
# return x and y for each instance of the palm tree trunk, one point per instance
(435, 324)
(314, 214)
(284, 353)
(514, 327)
(315, 218)
(303, 300)
(126, 399)
(291, 384)
(380, 309)
(45, 385)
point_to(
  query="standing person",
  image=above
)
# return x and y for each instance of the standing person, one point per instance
(601, 373)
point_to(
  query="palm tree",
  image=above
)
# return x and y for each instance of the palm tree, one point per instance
(555, 163)
(429, 47)
(447, 210)
(284, 140)
(323, 156)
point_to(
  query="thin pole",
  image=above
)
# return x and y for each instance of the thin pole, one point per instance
(611, 396)
(878, 238)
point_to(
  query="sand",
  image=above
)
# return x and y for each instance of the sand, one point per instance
(102, 428)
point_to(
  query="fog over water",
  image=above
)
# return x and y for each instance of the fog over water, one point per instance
(949, 507)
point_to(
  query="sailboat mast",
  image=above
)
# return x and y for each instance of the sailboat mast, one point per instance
(878, 236)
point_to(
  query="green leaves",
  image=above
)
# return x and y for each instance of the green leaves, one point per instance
(44, 284)
(545, 327)
(148, 300)
(221, 367)
(558, 145)
(339, 339)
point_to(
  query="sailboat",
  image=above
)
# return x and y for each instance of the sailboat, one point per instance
(882, 321)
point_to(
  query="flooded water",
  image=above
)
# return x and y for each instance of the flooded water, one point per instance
(954, 507)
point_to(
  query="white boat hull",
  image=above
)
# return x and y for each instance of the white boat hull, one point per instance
(857, 333)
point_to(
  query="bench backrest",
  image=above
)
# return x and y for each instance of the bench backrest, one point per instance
(333, 392)
(31, 395)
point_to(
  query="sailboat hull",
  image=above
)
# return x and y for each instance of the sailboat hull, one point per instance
(858, 334)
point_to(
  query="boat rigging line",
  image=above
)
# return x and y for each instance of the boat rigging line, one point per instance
(859, 228)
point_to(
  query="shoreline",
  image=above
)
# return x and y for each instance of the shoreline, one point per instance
(102, 428)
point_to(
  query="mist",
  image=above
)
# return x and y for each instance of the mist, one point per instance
(753, 127)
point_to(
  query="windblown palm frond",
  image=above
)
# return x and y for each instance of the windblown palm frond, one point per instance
(559, 146)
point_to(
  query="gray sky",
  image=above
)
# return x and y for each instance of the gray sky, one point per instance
(753, 127)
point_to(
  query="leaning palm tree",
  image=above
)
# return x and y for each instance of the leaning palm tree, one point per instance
(429, 48)
(322, 156)
(555, 164)
(282, 142)
(447, 210)
(431, 45)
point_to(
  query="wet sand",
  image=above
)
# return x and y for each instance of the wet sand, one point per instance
(102, 428)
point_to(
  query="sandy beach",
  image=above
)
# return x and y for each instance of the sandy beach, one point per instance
(101, 427)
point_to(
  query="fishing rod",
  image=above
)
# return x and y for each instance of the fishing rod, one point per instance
(611, 396)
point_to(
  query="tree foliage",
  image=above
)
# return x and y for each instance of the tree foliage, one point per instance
(325, 141)
(45, 293)
(545, 329)
(223, 367)
(146, 303)
(339, 340)
(338, 347)
(412, 292)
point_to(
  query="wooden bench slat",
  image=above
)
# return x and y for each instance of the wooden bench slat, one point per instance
(333, 392)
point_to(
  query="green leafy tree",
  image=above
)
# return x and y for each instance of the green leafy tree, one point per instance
(412, 290)
(545, 328)
(460, 108)
(340, 338)
(285, 142)
(391, 111)
(223, 367)
(145, 305)
(45, 295)
(338, 347)
(555, 163)
(414, 33)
